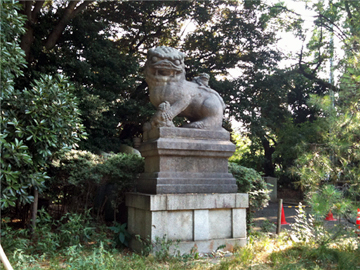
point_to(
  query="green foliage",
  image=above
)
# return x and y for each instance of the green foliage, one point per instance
(12, 60)
(310, 227)
(37, 123)
(268, 226)
(77, 176)
(260, 253)
(52, 236)
(304, 226)
(160, 249)
(328, 198)
(309, 257)
(121, 235)
(76, 229)
(249, 181)
(76, 167)
(249, 152)
(109, 38)
(330, 160)
(334, 157)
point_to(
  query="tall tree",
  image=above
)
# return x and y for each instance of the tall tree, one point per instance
(264, 98)
(99, 45)
(38, 123)
(334, 158)
(103, 42)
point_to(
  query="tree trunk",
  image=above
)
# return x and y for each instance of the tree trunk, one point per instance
(31, 9)
(27, 40)
(269, 168)
(31, 13)
(34, 210)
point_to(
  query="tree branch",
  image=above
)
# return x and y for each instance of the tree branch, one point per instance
(342, 35)
(37, 8)
(69, 14)
(81, 7)
(312, 76)
(347, 8)
(270, 138)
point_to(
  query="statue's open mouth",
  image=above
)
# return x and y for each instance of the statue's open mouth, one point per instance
(166, 72)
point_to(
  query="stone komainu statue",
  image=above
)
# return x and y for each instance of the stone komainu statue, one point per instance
(174, 96)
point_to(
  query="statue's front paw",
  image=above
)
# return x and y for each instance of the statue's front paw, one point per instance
(198, 124)
(167, 115)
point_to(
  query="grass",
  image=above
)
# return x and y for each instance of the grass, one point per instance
(261, 252)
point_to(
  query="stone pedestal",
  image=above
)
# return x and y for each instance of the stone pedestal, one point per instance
(186, 193)
(201, 222)
(184, 160)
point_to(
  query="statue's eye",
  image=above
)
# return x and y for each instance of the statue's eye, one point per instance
(155, 59)
(177, 62)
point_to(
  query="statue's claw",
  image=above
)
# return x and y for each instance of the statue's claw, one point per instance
(197, 124)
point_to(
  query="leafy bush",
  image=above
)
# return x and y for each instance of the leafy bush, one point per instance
(250, 181)
(51, 236)
(121, 235)
(303, 226)
(36, 123)
(78, 176)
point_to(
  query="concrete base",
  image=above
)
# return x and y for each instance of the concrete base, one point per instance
(200, 222)
(185, 160)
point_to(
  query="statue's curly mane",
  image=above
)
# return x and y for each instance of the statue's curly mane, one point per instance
(166, 52)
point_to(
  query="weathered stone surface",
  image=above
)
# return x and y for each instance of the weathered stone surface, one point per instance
(200, 221)
(239, 229)
(182, 160)
(174, 96)
(201, 225)
(221, 221)
(179, 202)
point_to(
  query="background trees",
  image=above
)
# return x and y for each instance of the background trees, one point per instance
(332, 159)
(100, 47)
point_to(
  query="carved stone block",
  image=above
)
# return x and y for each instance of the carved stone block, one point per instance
(185, 160)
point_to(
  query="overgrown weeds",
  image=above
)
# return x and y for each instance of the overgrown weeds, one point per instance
(76, 244)
(261, 252)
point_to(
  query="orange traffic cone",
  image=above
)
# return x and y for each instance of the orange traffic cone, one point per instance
(358, 222)
(283, 220)
(330, 217)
